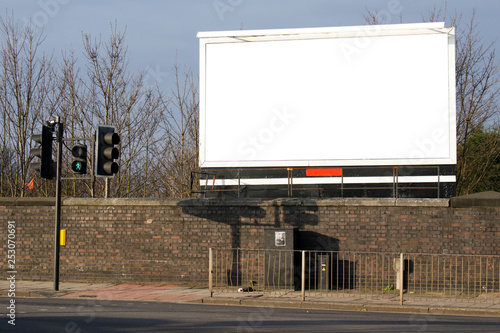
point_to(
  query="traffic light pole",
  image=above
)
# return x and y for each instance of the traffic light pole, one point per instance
(59, 178)
(59, 138)
(46, 168)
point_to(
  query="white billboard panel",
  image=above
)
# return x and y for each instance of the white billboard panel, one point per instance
(350, 96)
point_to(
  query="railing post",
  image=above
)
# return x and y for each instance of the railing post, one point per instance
(210, 271)
(303, 277)
(401, 272)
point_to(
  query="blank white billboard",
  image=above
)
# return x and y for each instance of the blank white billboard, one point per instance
(348, 96)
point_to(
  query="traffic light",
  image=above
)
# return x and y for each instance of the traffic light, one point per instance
(79, 165)
(106, 152)
(45, 166)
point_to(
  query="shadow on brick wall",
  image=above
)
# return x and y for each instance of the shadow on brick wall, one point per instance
(259, 213)
(254, 212)
(314, 241)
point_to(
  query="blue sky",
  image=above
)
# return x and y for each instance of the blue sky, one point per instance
(158, 30)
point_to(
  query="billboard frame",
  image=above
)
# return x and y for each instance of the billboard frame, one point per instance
(246, 36)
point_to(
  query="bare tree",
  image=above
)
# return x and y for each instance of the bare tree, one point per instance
(179, 146)
(104, 93)
(123, 100)
(477, 85)
(25, 89)
(77, 106)
(477, 102)
(371, 17)
(477, 90)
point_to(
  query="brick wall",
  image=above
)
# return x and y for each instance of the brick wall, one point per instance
(168, 240)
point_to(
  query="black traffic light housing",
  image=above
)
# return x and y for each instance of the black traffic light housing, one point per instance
(79, 164)
(45, 166)
(105, 151)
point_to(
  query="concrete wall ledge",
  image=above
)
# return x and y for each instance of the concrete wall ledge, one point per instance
(120, 202)
(244, 202)
(483, 199)
(252, 202)
(27, 201)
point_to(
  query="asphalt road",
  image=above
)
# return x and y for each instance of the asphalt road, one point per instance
(90, 315)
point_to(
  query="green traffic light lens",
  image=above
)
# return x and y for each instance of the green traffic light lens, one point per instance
(79, 167)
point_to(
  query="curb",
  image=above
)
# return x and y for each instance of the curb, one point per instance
(26, 294)
(350, 307)
(310, 305)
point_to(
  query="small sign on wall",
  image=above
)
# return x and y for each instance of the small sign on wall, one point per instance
(279, 238)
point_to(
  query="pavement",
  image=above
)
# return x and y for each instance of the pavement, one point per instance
(484, 305)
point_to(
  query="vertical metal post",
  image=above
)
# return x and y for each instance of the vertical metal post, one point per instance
(93, 159)
(290, 181)
(439, 183)
(59, 136)
(401, 272)
(342, 184)
(210, 271)
(303, 277)
(239, 183)
(397, 182)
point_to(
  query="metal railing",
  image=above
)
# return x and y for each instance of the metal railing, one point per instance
(413, 276)
(206, 181)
